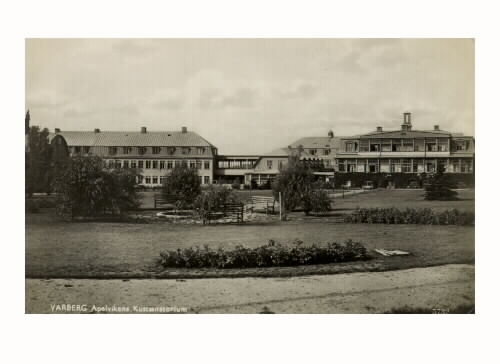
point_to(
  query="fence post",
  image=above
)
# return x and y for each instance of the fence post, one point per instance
(279, 193)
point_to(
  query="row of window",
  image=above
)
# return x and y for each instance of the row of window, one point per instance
(405, 145)
(235, 164)
(405, 165)
(145, 150)
(157, 164)
(158, 180)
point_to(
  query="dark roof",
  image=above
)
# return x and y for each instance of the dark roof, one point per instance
(317, 142)
(134, 139)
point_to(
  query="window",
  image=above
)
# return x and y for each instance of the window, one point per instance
(351, 146)
(351, 166)
(148, 180)
(395, 166)
(184, 163)
(466, 166)
(375, 145)
(141, 164)
(407, 145)
(76, 149)
(112, 150)
(431, 146)
(442, 144)
(206, 165)
(313, 151)
(386, 145)
(269, 164)
(142, 150)
(177, 163)
(133, 164)
(342, 165)
(280, 165)
(200, 150)
(126, 150)
(326, 151)
(162, 164)
(206, 179)
(125, 164)
(140, 179)
(118, 164)
(384, 166)
(373, 166)
(406, 166)
(170, 165)
(198, 164)
(156, 150)
(419, 145)
(361, 166)
(148, 164)
(364, 145)
(171, 150)
(455, 166)
(162, 179)
(396, 145)
(86, 150)
(430, 166)
(155, 164)
(186, 150)
(155, 180)
(192, 164)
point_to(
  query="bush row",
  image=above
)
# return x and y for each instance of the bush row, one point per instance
(271, 255)
(410, 216)
(399, 180)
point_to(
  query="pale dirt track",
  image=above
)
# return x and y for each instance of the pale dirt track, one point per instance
(442, 287)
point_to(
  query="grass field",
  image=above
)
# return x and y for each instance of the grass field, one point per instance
(61, 249)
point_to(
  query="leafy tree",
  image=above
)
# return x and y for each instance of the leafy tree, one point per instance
(295, 184)
(316, 201)
(87, 188)
(184, 184)
(439, 186)
(37, 159)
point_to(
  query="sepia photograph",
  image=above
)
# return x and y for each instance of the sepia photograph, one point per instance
(249, 175)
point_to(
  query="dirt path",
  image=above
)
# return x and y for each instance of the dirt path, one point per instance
(442, 287)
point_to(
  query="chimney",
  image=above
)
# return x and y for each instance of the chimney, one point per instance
(379, 129)
(436, 127)
(143, 130)
(184, 129)
(97, 130)
(57, 130)
(330, 134)
(407, 117)
(406, 126)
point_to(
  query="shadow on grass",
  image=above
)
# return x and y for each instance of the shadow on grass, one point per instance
(461, 309)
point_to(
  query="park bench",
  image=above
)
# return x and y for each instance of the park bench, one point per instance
(262, 203)
(233, 211)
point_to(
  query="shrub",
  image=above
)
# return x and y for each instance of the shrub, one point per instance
(410, 216)
(184, 184)
(212, 200)
(271, 255)
(316, 201)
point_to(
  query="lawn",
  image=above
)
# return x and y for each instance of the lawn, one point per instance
(74, 249)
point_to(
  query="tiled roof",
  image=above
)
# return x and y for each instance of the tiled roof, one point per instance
(317, 142)
(134, 139)
(285, 152)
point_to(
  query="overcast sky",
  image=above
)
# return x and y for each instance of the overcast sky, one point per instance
(250, 96)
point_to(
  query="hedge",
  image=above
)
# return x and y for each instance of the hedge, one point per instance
(271, 255)
(400, 180)
(410, 216)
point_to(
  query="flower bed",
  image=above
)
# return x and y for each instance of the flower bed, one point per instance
(410, 216)
(271, 255)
